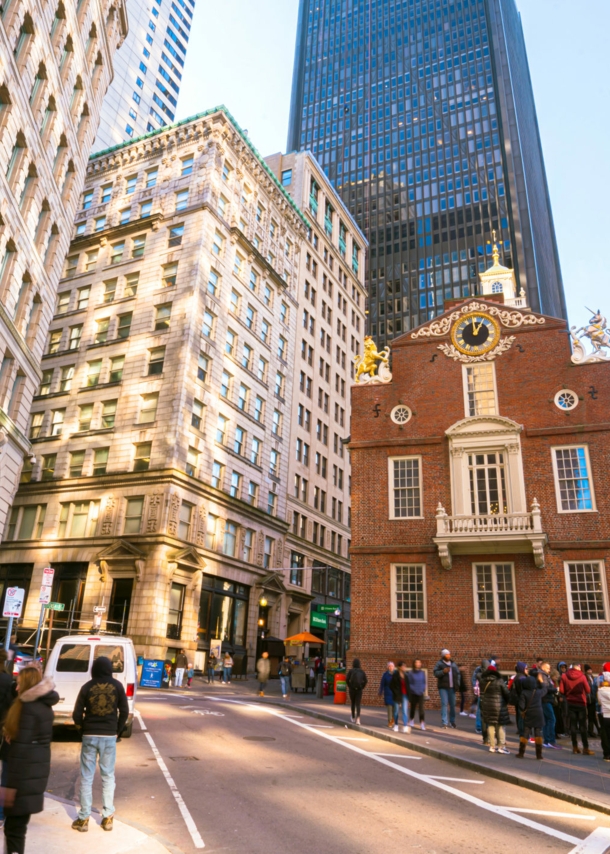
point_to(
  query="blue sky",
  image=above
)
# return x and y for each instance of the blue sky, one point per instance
(242, 54)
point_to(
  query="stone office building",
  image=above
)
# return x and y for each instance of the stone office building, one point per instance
(56, 67)
(162, 426)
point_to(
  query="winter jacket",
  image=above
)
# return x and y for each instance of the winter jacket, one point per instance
(285, 668)
(603, 697)
(263, 669)
(551, 689)
(494, 699)
(29, 753)
(575, 687)
(529, 708)
(384, 688)
(8, 692)
(417, 682)
(182, 661)
(356, 679)
(101, 707)
(396, 686)
(443, 678)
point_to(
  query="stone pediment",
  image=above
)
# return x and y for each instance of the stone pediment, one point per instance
(189, 557)
(119, 550)
(273, 582)
(483, 425)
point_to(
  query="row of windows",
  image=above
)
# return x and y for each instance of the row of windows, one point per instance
(495, 595)
(122, 250)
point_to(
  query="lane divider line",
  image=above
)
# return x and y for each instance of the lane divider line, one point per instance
(396, 755)
(188, 818)
(464, 780)
(596, 843)
(551, 813)
(437, 784)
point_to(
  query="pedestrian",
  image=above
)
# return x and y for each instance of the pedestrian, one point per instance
(284, 672)
(563, 722)
(447, 678)
(494, 708)
(7, 695)
(386, 692)
(463, 688)
(28, 730)
(530, 688)
(548, 707)
(263, 669)
(356, 681)
(100, 714)
(476, 676)
(180, 665)
(514, 691)
(212, 662)
(227, 666)
(400, 692)
(603, 699)
(416, 682)
(575, 688)
(189, 675)
(591, 703)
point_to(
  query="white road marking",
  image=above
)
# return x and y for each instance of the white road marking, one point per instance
(396, 755)
(205, 712)
(596, 843)
(438, 784)
(464, 780)
(349, 737)
(188, 819)
(550, 812)
(318, 726)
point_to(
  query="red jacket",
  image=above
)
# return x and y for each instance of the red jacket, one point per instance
(575, 686)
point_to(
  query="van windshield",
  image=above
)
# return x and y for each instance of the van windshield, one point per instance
(73, 658)
(114, 653)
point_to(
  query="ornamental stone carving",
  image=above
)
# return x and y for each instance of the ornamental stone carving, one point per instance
(502, 346)
(598, 335)
(154, 505)
(108, 520)
(174, 508)
(367, 370)
(511, 319)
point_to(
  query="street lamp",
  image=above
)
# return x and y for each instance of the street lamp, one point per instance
(263, 602)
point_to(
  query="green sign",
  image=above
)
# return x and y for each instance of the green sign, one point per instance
(319, 621)
(55, 606)
(327, 609)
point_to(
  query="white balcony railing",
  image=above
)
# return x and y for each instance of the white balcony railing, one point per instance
(493, 533)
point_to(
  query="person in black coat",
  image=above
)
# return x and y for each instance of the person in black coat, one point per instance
(28, 729)
(494, 708)
(531, 688)
(356, 682)
(8, 692)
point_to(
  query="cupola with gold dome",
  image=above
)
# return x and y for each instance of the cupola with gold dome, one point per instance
(501, 280)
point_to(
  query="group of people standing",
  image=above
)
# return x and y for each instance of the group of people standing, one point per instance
(403, 690)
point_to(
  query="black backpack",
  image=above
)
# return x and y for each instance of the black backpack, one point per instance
(356, 679)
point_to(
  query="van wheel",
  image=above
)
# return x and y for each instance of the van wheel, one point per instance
(128, 730)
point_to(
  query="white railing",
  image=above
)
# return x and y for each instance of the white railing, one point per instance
(493, 524)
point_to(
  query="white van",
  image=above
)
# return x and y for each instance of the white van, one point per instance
(69, 666)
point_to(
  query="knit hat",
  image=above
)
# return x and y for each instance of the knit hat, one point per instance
(445, 652)
(521, 667)
(607, 666)
(493, 668)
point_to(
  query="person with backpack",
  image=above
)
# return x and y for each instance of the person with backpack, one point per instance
(530, 688)
(494, 708)
(386, 692)
(284, 671)
(575, 688)
(400, 691)
(356, 681)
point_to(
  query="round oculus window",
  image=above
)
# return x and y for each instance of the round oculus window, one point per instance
(400, 414)
(566, 399)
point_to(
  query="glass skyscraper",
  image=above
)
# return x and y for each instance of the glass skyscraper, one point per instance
(422, 114)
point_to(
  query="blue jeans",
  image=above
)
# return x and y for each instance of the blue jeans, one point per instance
(447, 700)
(404, 706)
(549, 723)
(478, 724)
(210, 674)
(285, 683)
(92, 747)
(226, 674)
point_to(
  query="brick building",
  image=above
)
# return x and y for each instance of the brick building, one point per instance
(479, 490)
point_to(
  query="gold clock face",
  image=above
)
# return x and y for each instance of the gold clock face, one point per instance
(475, 333)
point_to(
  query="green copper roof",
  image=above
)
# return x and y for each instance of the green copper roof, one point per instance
(244, 136)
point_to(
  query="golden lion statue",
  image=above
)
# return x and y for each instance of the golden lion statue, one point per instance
(366, 363)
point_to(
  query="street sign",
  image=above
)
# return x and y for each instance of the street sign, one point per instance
(48, 574)
(327, 609)
(55, 606)
(319, 621)
(45, 595)
(99, 609)
(13, 603)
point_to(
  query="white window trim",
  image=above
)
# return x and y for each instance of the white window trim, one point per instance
(391, 461)
(496, 620)
(465, 389)
(394, 610)
(602, 565)
(556, 478)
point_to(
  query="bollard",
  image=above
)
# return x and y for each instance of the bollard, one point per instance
(319, 686)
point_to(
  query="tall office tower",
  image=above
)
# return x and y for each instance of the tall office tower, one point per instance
(56, 64)
(330, 331)
(422, 115)
(148, 71)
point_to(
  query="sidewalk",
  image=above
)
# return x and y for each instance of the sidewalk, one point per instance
(50, 832)
(582, 780)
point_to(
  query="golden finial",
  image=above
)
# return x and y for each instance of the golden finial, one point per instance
(496, 251)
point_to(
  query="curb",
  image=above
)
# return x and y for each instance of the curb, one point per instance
(173, 849)
(497, 774)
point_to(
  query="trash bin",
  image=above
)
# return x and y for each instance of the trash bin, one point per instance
(340, 688)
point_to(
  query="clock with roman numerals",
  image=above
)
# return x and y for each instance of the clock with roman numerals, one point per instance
(475, 333)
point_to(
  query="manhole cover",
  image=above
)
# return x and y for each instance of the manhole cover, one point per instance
(184, 758)
(258, 738)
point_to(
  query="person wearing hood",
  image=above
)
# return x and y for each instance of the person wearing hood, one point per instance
(603, 703)
(530, 688)
(386, 692)
(100, 714)
(494, 709)
(563, 722)
(28, 730)
(356, 681)
(575, 688)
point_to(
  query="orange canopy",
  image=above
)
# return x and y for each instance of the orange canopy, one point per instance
(303, 637)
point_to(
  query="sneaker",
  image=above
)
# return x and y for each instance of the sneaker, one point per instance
(444, 726)
(422, 726)
(81, 824)
(492, 749)
(412, 722)
(406, 729)
(395, 727)
(453, 725)
(107, 823)
(502, 749)
(606, 758)
(464, 714)
(358, 721)
(284, 696)
(472, 716)
(532, 741)
(554, 746)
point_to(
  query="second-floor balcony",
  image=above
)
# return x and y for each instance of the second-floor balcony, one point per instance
(494, 533)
